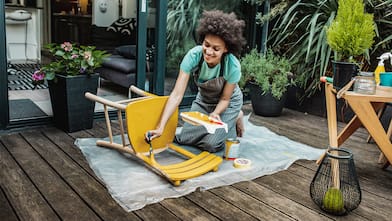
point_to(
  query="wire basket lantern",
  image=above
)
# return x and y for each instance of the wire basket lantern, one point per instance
(335, 187)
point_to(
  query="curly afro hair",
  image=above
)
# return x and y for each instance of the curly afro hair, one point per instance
(224, 25)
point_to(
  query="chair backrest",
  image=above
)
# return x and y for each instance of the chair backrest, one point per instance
(144, 115)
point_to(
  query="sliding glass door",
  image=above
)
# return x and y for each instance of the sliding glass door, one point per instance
(138, 26)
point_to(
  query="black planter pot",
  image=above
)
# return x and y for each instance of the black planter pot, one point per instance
(314, 105)
(265, 104)
(343, 72)
(71, 110)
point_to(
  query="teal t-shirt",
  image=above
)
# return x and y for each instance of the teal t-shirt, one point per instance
(231, 72)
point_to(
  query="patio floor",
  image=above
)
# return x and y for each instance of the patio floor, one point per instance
(43, 176)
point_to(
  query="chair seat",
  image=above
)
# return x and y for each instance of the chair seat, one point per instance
(201, 164)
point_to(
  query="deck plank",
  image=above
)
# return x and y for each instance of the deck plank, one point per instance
(187, 210)
(27, 201)
(370, 200)
(218, 207)
(370, 177)
(86, 187)
(297, 189)
(300, 127)
(6, 211)
(155, 212)
(249, 204)
(28, 159)
(281, 203)
(66, 144)
(61, 197)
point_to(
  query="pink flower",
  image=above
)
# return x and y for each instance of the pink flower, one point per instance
(38, 75)
(87, 55)
(67, 46)
(73, 56)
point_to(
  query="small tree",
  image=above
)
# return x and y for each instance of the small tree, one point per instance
(352, 31)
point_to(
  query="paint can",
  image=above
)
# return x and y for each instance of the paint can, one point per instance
(232, 149)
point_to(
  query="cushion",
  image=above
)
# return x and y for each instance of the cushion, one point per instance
(127, 51)
(123, 26)
(119, 63)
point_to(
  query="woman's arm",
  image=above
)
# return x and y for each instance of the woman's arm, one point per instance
(172, 104)
(223, 101)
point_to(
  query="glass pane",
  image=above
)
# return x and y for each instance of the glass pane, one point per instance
(179, 41)
(113, 29)
(173, 61)
(24, 35)
(107, 25)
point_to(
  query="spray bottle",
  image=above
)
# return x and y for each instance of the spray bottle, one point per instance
(380, 67)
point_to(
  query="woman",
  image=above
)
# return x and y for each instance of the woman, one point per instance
(219, 72)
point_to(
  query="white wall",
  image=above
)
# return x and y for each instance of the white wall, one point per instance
(104, 18)
(129, 9)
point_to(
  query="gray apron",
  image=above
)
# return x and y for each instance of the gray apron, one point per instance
(206, 100)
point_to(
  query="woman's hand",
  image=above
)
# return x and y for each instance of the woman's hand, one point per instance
(152, 134)
(215, 116)
(171, 105)
(240, 124)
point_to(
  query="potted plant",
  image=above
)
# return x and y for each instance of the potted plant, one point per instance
(70, 75)
(267, 78)
(349, 35)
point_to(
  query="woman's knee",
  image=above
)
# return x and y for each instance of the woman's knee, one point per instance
(212, 144)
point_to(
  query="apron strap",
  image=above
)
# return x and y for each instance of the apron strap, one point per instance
(196, 71)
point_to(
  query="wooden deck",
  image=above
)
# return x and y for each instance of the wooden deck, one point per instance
(43, 176)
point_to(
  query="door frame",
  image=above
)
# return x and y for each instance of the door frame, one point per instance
(4, 104)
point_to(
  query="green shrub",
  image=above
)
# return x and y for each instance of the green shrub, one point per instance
(271, 72)
(352, 31)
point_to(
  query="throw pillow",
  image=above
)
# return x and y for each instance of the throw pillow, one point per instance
(123, 25)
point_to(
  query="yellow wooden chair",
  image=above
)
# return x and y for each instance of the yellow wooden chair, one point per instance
(141, 115)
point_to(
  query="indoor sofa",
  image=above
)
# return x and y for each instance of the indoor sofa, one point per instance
(120, 67)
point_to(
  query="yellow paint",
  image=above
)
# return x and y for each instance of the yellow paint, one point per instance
(143, 115)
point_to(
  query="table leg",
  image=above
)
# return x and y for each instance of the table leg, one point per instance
(354, 124)
(349, 129)
(382, 160)
(366, 113)
(332, 132)
(379, 114)
(330, 99)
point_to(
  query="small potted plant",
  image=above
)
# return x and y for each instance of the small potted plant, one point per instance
(267, 78)
(70, 75)
(349, 35)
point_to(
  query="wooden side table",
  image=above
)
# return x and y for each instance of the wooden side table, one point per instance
(365, 108)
